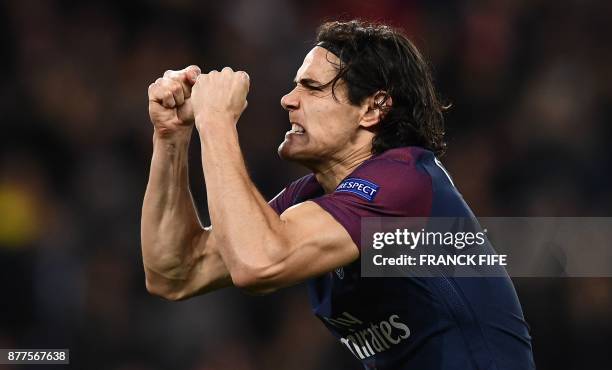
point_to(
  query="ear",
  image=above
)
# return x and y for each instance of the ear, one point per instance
(374, 109)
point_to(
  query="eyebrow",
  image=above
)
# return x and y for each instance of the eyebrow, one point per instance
(307, 81)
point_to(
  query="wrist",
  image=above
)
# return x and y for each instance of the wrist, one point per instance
(171, 143)
(210, 122)
(178, 137)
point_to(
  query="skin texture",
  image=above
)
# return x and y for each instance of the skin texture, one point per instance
(263, 251)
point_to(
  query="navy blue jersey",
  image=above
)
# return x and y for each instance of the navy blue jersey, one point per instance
(408, 322)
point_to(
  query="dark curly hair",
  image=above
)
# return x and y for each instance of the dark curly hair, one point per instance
(376, 58)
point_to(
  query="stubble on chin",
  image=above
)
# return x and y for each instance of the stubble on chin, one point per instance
(283, 151)
(286, 153)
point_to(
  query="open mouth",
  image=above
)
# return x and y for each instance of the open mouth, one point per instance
(296, 129)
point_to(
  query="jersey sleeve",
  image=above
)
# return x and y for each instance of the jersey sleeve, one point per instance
(280, 202)
(382, 188)
(294, 193)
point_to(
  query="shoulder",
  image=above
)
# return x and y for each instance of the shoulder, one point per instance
(396, 178)
(390, 184)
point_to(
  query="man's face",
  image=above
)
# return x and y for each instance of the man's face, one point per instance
(323, 128)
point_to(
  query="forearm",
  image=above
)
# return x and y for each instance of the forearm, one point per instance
(249, 227)
(170, 226)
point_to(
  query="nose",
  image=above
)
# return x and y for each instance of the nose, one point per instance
(290, 101)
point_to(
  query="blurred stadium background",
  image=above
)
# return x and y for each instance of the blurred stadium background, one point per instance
(529, 135)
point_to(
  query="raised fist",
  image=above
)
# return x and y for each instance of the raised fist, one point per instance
(220, 96)
(170, 107)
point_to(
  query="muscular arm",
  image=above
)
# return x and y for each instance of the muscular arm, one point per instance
(180, 257)
(250, 245)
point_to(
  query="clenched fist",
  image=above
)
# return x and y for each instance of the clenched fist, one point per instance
(170, 106)
(219, 96)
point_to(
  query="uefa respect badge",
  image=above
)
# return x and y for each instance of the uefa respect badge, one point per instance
(360, 187)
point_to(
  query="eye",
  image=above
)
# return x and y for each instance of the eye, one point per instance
(307, 86)
(313, 88)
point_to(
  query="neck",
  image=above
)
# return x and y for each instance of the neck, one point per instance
(330, 174)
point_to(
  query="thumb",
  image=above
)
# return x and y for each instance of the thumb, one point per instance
(185, 111)
(192, 72)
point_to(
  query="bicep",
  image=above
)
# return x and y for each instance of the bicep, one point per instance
(314, 242)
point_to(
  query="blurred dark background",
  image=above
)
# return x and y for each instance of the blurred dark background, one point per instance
(531, 86)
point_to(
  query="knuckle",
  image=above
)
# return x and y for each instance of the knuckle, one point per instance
(194, 67)
(176, 87)
(177, 76)
(168, 72)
